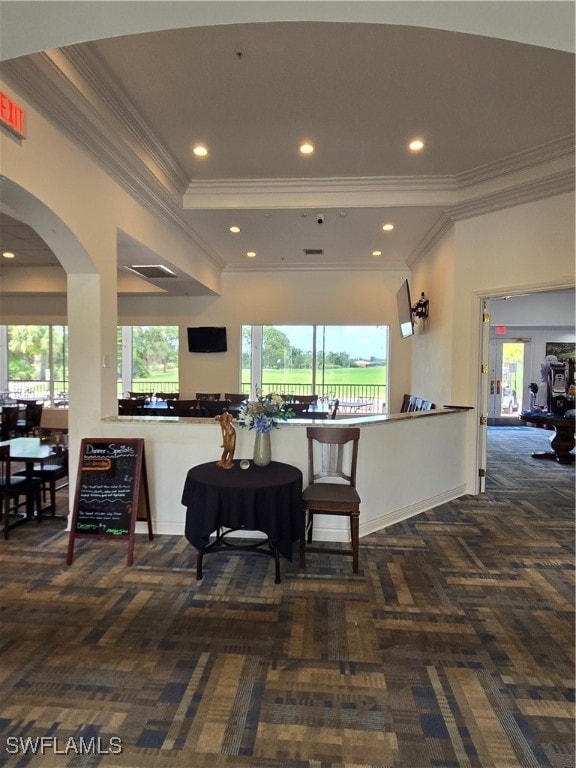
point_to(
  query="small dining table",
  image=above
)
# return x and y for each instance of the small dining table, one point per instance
(256, 499)
(30, 451)
(562, 441)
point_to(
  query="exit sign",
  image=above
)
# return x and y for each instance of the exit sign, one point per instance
(12, 115)
(501, 330)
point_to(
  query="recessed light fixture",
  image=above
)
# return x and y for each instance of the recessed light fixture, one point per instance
(8, 255)
(251, 254)
(306, 148)
(235, 230)
(416, 145)
(200, 151)
(388, 227)
(376, 253)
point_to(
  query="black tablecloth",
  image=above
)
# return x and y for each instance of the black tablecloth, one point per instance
(267, 499)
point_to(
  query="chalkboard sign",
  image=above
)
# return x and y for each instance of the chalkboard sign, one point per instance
(111, 492)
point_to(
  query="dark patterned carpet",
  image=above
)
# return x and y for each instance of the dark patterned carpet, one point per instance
(453, 647)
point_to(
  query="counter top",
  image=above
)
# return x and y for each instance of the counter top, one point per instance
(348, 419)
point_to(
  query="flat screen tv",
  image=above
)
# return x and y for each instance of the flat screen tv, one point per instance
(207, 339)
(405, 311)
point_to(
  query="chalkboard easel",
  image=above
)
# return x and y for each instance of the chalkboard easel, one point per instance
(111, 492)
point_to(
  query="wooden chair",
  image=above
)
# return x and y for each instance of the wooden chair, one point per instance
(310, 399)
(167, 395)
(9, 424)
(208, 395)
(49, 473)
(140, 395)
(208, 409)
(299, 408)
(12, 486)
(131, 407)
(183, 408)
(332, 454)
(334, 409)
(234, 398)
(29, 421)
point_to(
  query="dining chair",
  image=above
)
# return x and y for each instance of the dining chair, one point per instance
(331, 489)
(334, 409)
(9, 424)
(131, 407)
(234, 398)
(140, 395)
(49, 472)
(12, 487)
(167, 395)
(299, 408)
(183, 407)
(208, 395)
(310, 399)
(207, 409)
(30, 417)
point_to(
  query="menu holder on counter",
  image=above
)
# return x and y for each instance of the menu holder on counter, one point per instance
(111, 492)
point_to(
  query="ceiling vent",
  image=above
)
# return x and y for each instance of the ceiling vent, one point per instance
(151, 271)
(313, 252)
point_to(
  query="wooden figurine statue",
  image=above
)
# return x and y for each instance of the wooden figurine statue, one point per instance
(228, 440)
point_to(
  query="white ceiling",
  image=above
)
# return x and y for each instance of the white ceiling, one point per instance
(252, 92)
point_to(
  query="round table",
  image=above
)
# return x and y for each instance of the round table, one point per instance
(562, 441)
(266, 499)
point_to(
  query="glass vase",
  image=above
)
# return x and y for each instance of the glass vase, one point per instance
(262, 449)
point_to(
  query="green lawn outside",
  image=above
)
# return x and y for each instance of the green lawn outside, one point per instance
(332, 376)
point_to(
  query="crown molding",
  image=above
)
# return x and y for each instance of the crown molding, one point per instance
(560, 149)
(63, 100)
(526, 192)
(434, 235)
(326, 267)
(75, 91)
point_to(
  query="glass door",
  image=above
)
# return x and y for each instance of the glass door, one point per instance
(506, 379)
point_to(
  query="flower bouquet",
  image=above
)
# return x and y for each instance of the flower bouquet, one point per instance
(264, 413)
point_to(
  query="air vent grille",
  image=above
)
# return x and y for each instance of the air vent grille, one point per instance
(313, 251)
(151, 271)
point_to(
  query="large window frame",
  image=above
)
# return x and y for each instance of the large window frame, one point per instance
(362, 391)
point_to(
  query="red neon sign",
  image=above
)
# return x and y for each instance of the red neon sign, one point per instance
(12, 115)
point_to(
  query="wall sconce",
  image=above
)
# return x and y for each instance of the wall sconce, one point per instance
(420, 309)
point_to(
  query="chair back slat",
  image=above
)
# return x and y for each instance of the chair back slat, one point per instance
(337, 458)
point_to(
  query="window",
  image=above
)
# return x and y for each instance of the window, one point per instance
(333, 361)
(35, 362)
(147, 358)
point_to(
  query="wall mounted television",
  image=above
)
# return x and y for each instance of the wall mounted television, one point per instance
(207, 339)
(405, 311)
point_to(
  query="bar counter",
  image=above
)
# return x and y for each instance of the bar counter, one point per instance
(407, 462)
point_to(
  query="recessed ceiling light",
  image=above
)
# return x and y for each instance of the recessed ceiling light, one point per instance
(8, 255)
(306, 148)
(376, 253)
(251, 254)
(200, 151)
(416, 145)
(235, 229)
(388, 227)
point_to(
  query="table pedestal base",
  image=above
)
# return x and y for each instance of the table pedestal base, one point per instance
(561, 458)
(262, 547)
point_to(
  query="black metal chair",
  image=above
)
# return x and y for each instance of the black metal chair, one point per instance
(49, 472)
(13, 486)
(332, 455)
